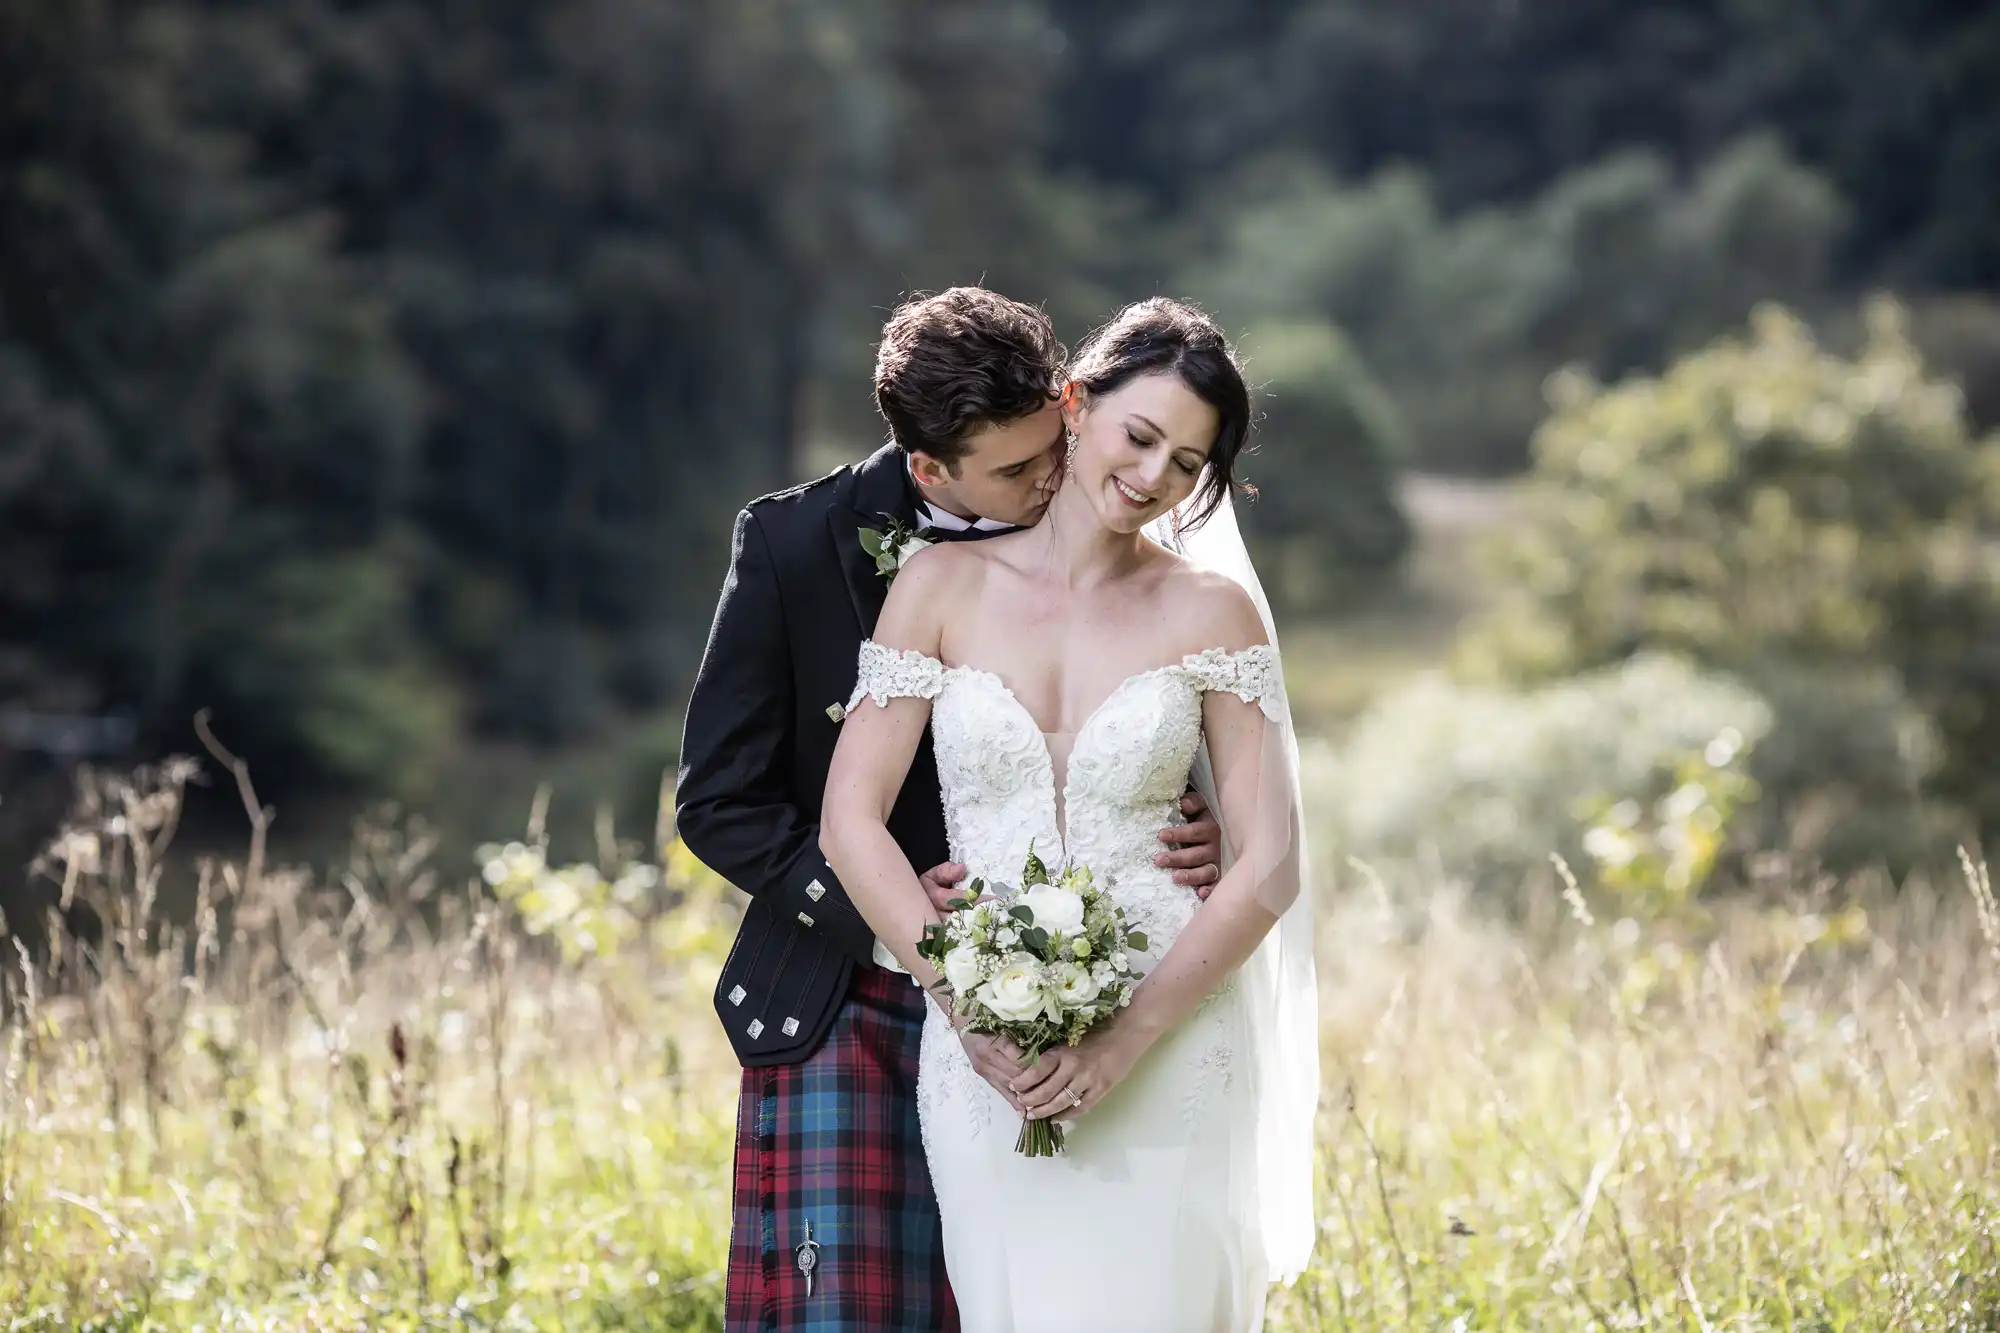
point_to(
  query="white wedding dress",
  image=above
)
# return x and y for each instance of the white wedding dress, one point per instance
(1150, 1221)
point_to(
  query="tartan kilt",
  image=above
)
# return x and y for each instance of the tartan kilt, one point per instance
(834, 1141)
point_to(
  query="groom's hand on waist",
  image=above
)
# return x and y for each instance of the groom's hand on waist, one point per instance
(941, 884)
(1195, 848)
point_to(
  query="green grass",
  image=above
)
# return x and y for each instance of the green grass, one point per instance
(323, 1110)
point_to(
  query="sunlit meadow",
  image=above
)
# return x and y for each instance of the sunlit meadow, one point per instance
(392, 1095)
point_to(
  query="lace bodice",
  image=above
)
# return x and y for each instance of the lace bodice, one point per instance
(1128, 767)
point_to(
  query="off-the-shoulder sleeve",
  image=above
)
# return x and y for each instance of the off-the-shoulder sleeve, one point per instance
(1251, 674)
(895, 673)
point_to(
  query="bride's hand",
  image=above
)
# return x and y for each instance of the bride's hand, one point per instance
(1068, 1081)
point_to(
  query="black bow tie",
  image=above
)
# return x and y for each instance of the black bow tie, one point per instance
(965, 534)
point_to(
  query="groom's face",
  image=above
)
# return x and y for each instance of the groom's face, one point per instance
(1008, 474)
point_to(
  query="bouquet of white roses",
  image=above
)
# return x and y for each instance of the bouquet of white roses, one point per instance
(1041, 964)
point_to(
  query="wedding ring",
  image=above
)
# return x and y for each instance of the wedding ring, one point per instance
(1074, 1100)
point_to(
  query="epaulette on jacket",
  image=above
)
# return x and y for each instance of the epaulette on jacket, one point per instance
(802, 489)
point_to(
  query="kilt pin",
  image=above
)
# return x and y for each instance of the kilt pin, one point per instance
(829, 1151)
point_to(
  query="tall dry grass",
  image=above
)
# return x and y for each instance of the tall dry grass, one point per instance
(1775, 1117)
(377, 1097)
(363, 1099)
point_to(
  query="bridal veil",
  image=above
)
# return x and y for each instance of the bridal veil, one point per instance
(1278, 981)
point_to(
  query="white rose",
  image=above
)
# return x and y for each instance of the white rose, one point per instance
(961, 969)
(1015, 992)
(910, 546)
(1056, 909)
(1076, 987)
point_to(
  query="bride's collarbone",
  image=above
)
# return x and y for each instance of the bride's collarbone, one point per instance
(1062, 696)
(1062, 654)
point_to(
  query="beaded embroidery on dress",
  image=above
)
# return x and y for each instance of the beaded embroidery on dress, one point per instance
(1149, 1220)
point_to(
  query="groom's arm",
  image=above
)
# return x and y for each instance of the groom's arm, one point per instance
(735, 809)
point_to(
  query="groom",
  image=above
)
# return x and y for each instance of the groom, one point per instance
(834, 1224)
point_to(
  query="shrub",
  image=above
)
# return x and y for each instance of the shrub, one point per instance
(1843, 769)
(1486, 782)
(1960, 336)
(315, 657)
(1766, 506)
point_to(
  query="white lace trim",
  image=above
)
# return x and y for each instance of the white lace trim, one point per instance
(1252, 674)
(895, 673)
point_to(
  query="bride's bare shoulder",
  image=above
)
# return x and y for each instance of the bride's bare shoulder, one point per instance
(941, 566)
(926, 586)
(1213, 610)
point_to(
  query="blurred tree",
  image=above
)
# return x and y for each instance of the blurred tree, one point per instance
(1897, 103)
(1614, 268)
(1766, 506)
(201, 398)
(1326, 521)
(369, 364)
(610, 232)
(372, 370)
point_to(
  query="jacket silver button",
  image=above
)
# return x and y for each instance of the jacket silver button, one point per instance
(756, 1028)
(736, 994)
(815, 890)
(791, 1026)
(805, 920)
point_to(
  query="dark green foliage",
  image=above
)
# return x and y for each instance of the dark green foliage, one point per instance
(1897, 102)
(374, 373)
(1326, 521)
(1614, 268)
(211, 427)
(383, 374)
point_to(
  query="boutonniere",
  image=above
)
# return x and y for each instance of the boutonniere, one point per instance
(892, 545)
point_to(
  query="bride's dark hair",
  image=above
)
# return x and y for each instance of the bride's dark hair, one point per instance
(1165, 336)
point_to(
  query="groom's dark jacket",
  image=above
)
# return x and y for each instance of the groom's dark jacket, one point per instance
(800, 596)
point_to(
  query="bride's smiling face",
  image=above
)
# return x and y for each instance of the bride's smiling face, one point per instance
(1139, 448)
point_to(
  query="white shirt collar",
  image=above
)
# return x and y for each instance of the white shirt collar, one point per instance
(930, 516)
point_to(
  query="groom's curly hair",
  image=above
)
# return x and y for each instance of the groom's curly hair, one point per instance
(965, 358)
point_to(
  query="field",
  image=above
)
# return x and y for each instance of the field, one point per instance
(384, 1105)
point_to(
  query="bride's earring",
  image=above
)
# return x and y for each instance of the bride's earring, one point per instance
(1069, 454)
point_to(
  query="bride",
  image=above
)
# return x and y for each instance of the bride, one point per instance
(1074, 675)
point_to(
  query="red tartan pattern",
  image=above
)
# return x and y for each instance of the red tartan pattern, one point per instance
(835, 1142)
